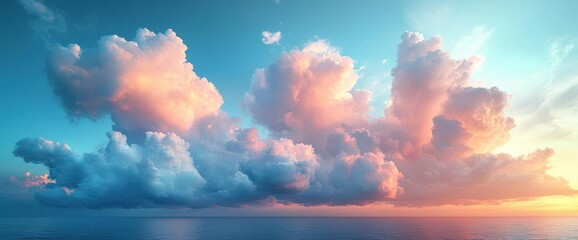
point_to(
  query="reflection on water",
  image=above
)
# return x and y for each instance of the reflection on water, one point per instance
(289, 228)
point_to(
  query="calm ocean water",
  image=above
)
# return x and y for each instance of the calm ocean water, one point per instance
(288, 228)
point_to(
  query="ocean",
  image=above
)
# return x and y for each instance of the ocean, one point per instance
(118, 228)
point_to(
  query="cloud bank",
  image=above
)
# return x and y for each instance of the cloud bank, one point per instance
(172, 145)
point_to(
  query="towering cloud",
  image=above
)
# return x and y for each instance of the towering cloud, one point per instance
(423, 78)
(447, 130)
(432, 145)
(145, 84)
(306, 93)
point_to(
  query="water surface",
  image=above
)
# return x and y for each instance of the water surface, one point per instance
(288, 228)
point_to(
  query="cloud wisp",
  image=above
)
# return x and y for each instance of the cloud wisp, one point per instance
(46, 20)
(172, 145)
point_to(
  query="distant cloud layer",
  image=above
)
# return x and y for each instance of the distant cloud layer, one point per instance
(172, 145)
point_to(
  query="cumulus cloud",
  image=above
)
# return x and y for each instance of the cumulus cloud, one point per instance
(284, 167)
(271, 37)
(480, 111)
(432, 145)
(308, 92)
(360, 172)
(162, 172)
(423, 77)
(144, 85)
(118, 174)
(447, 130)
(368, 177)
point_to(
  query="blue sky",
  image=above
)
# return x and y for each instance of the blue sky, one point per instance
(224, 45)
(527, 47)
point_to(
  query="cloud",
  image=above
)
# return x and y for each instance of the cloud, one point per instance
(353, 173)
(432, 146)
(300, 92)
(423, 77)
(480, 111)
(444, 131)
(118, 174)
(36, 180)
(472, 121)
(144, 85)
(162, 172)
(271, 38)
(46, 22)
(283, 167)
(547, 108)
(480, 179)
(31, 181)
(360, 172)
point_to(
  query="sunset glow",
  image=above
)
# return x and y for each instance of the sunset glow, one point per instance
(387, 109)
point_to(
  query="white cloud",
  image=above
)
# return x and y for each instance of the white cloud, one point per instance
(271, 38)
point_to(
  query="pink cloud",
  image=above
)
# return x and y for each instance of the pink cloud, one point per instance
(447, 130)
(423, 77)
(145, 84)
(31, 181)
(480, 112)
(36, 180)
(308, 92)
(480, 179)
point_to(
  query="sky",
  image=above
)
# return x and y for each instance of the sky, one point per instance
(288, 108)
